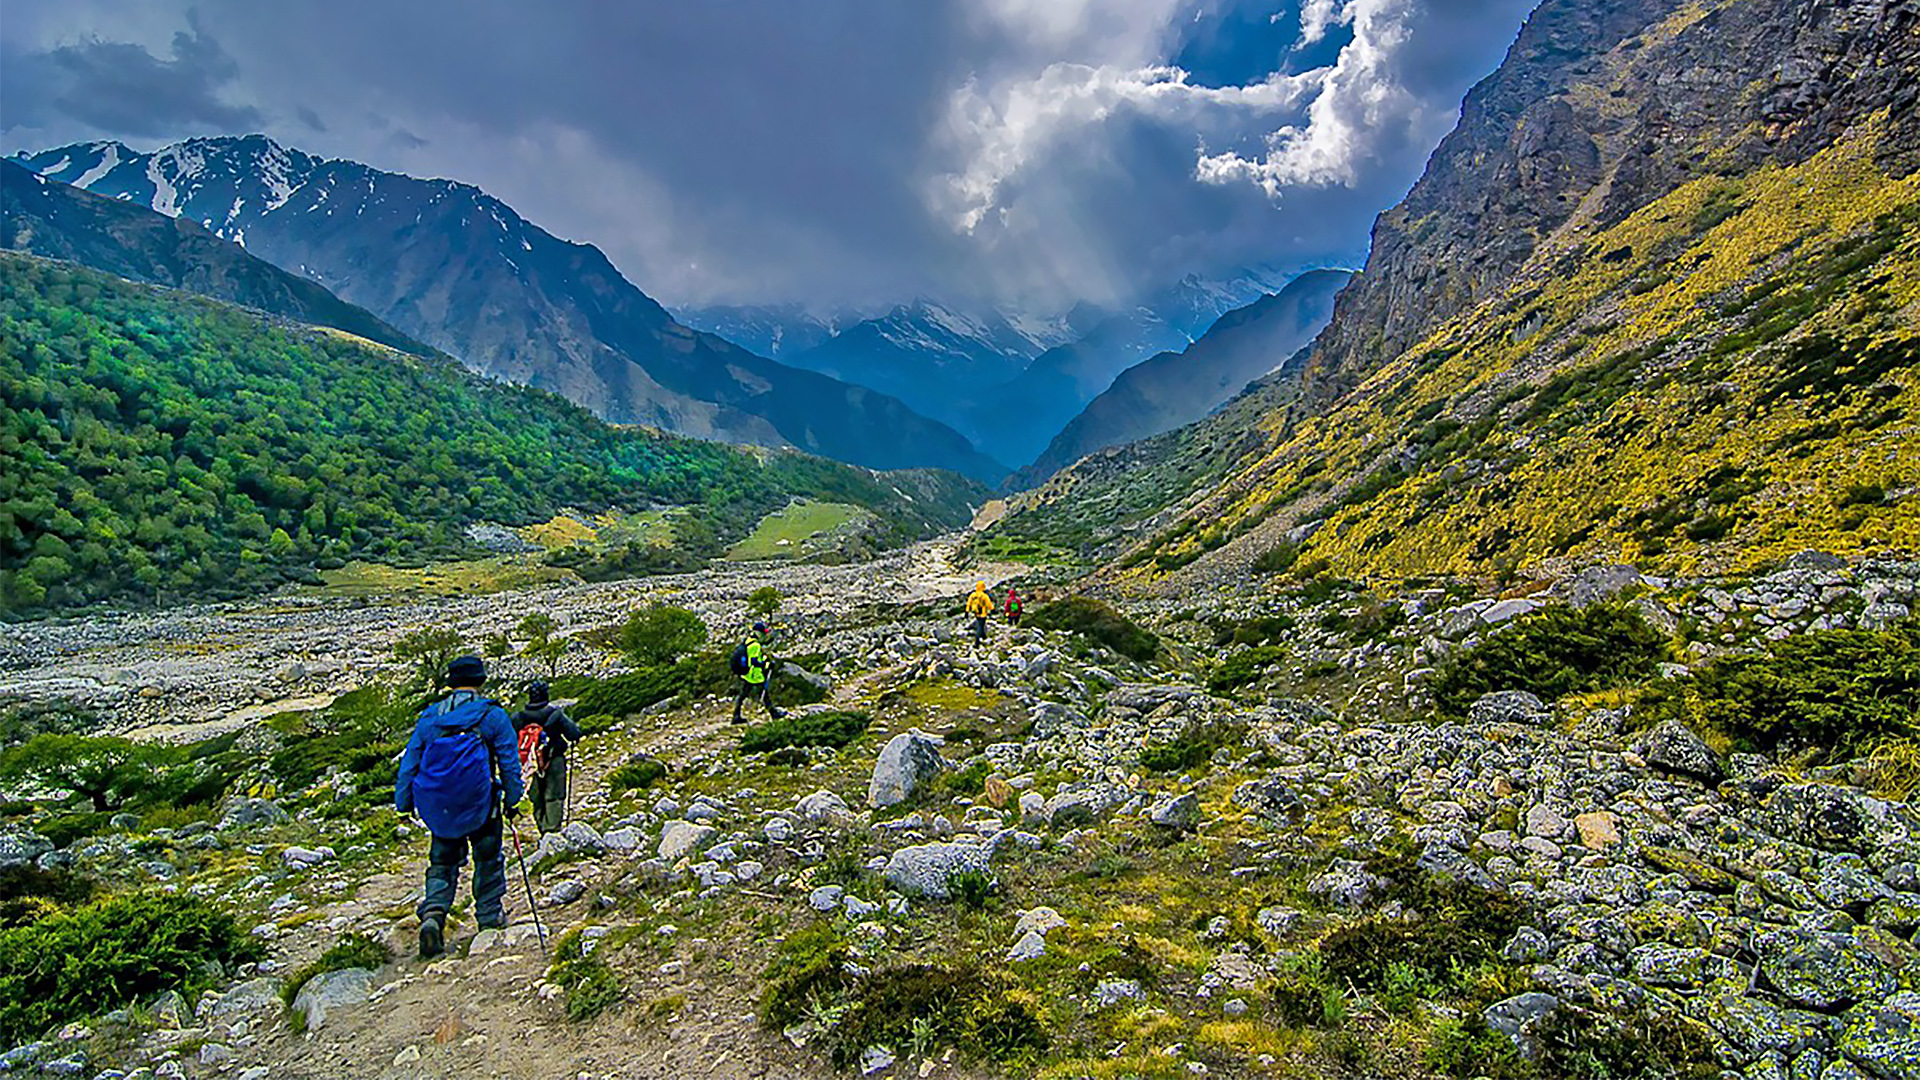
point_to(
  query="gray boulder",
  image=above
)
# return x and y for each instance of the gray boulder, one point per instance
(681, 838)
(1179, 812)
(332, 990)
(1271, 799)
(241, 813)
(1346, 884)
(1509, 707)
(824, 808)
(1834, 818)
(18, 846)
(1823, 969)
(928, 869)
(253, 996)
(1884, 1037)
(906, 763)
(1673, 747)
(1519, 1018)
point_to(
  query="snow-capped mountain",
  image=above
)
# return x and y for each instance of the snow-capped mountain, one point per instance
(460, 270)
(775, 330)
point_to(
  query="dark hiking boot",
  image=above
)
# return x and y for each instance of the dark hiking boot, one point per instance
(779, 714)
(432, 937)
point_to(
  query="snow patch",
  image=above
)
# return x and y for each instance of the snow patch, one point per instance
(165, 198)
(100, 168)
(59, 166)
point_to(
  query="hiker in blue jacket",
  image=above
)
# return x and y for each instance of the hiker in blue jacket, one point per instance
(461, 771)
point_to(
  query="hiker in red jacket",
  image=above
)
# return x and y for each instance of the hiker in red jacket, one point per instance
(1013, 607)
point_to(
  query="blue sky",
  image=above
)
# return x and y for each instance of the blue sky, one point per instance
(829, 152)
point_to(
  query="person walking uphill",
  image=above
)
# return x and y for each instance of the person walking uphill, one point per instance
(751, 663)
(1014, 607)
(980, 606)
(460, 773)
(552, 731)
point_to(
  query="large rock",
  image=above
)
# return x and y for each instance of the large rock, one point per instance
(18, 846)
(928, 869)
(906, 763)
(1346, 884)
(1884, 1037)
(241, 813)
(1179, 812)
(1757, 1027)
(1823, 970)
(1509, 707)
(1835, 818)
(681, 838)
(1519, 1018)
(1673, 747)
(824, 808)
(1506, 610)
(1271, 799)
(253, 996)
(332, 990)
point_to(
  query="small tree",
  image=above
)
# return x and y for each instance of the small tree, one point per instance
(428, 651)
(659, 635)
(105, 771)
(537, 630)
(764, 601)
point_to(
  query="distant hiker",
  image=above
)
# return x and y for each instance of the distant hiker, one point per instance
(980, 606)
(1013, 607)
(751, 665)
(460, 772)
(545, 734)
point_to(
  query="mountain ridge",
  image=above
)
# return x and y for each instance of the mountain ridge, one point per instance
(460, 270)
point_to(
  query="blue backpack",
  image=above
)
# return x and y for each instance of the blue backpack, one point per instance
(453, 792)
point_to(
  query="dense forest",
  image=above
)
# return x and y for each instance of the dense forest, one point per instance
(158, 446)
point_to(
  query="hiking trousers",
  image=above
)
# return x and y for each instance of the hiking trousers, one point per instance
(744, 690)
(979, 629)
(444, 860)
(550, 796)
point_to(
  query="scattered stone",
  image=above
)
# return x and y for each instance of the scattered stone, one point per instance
(824, 808)
(1599, 829)
(19, 846)
(1673, 747)
(928, 869)
(1822, 970)
(1110, 992)
(1509, 707)
(1884, 1037)
(1180, 812)
(681, 838)
(1346, 884)
(1519, 1018)
(299, 858)
(241, 813)
(332, 990)
(826, 897)
(907, 762)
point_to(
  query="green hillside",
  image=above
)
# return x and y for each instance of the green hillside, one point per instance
(157, 446)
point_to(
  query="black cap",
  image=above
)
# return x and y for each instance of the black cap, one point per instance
(759, 628)
(467, 671)
(537, 693)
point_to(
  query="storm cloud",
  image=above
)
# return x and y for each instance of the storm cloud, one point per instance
(839, 152)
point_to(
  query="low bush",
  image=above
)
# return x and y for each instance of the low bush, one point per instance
(591, 986)
(1192, 748)
(637, 775)
(1582, 1044)
(351, 951)
(1244, 667)
(1277, 559)
(1555, 651)
(113, 953)
(808, 971)
(834, 729)
(1843, 690)
(1302, 994)
(1372, 620)
(1261, 630)
(659, 635)
(28, 893)
(1099, 622)
(969, 780)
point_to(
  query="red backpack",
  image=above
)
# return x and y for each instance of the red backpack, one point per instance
(534, 752)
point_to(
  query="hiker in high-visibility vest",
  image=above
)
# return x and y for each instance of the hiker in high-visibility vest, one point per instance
(980, 606)
(753, 667)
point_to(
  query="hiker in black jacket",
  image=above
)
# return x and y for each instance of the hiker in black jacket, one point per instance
(548, 785)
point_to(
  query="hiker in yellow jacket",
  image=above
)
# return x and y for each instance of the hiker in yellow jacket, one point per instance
(980, 606)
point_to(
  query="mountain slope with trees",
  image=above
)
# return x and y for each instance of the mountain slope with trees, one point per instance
(461, 271)
(160, 446)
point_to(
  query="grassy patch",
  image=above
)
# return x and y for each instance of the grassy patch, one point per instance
(782, 534)
(1192, 748)
(635, 776)
(112, 953)
(1551, 653)
(351, 951)
(1099, 622)
(591, 986)
(836, 729)
(1246, 666)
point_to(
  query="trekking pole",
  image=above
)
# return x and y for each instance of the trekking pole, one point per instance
(528, 881)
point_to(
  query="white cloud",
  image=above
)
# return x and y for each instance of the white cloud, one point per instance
(1316, 18)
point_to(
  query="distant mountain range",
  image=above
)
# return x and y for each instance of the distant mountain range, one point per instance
(58, 221)
(461, 271)
(1176, 388)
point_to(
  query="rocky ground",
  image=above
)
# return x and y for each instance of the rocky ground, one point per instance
(1154, 921)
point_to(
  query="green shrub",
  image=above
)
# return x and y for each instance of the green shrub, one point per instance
(1581, 1044)
(764, 601)
(1469, 1050)
(1553, 652)
(1261, 630)
(971, 780)
(1320, 669)
(108, 772)
(659, 635)
(1245, 667)
(28, 893)
(1843, 690)
(112, 953)
(1193, 747)
(1302, 994)
(429, 651)
(591, 986)
(808, 970)
(971, 888)
(1372, 620)
(637, 775)
(351, 951)
(1277, 559)
(930, 1006)
(834, 729)
(1100, 623)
